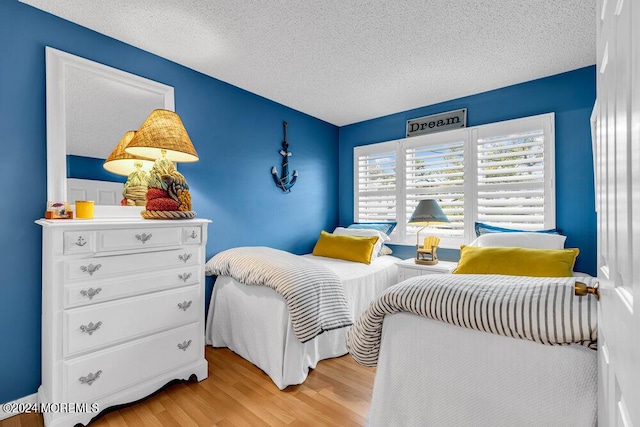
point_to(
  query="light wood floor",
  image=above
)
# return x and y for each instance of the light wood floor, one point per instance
(336, 393)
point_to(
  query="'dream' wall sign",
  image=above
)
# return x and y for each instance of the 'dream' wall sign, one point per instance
(437, 122)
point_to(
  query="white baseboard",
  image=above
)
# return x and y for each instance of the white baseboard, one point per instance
(31, 400)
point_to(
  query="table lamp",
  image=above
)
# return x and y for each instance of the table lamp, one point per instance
(163, 137)
(135, 168)
(427, 213)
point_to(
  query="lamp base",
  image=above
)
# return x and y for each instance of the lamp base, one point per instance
(426, 261)
(168, 214)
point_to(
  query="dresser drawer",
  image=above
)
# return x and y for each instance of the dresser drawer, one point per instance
(407, 273)
(95, 326)
(128, 364)
(402, 275)
(79, 242)
(92, 269)
(116, 240)
(192, 235)
(78, 294)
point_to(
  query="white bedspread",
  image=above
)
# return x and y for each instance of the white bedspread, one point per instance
(540, 309)
(314, 294)
(254, 322)
(434, 374)
(362, 282)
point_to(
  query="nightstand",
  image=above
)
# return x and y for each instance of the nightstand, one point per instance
(408, 268)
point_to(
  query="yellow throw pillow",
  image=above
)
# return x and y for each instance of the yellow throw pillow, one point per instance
(516, 261)
(349, 248)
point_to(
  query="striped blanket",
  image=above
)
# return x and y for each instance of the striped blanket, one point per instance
(540, 309)
(314, 294)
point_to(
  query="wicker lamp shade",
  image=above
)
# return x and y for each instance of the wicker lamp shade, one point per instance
(123, 163)
(163, 134)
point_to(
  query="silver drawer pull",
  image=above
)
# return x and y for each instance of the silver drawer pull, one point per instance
(89, 379)
(184, 277)
(184, 305)
(90, 268)
(184, 345)
(81, 241)
(184, 257)
(91, 327)
(90, 293)
(143, 237)
(193, 235)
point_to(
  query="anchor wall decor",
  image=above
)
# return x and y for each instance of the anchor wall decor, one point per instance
(284, 182)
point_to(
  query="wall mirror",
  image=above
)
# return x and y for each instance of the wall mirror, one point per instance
(90, 106)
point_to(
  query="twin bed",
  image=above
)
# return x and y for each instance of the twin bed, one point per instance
(523, 356)
(480, 350)
(255, 322)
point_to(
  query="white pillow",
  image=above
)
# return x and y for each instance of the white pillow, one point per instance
(521, 240)
(362, 232)
(580, 274)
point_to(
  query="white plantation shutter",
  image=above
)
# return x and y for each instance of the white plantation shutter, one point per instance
(515, 187)
(500, 173)
(375, 183)
(434, 169)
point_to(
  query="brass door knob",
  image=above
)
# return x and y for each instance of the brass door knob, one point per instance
(582, 289)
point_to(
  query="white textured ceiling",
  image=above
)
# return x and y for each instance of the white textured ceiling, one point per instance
(345, 61)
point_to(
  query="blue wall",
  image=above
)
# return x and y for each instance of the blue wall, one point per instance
(236, 133)
(570, 95)
(90, 168)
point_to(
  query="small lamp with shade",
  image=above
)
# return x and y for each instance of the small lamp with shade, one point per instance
(426, 214)
(135, 168)
(163, 137)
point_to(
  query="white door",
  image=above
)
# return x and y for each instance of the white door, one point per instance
(617, 164)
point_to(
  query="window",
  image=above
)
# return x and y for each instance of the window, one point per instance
(500, 173)
(375, 177)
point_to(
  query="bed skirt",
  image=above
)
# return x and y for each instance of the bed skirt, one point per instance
(431, 373)
(253, 322)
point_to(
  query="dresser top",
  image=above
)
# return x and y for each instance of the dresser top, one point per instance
(101, 222)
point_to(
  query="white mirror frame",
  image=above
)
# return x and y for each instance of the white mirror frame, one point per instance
(57, 62)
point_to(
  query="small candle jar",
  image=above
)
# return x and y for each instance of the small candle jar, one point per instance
(84, 209)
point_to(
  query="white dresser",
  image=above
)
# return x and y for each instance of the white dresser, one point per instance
(122, 310)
